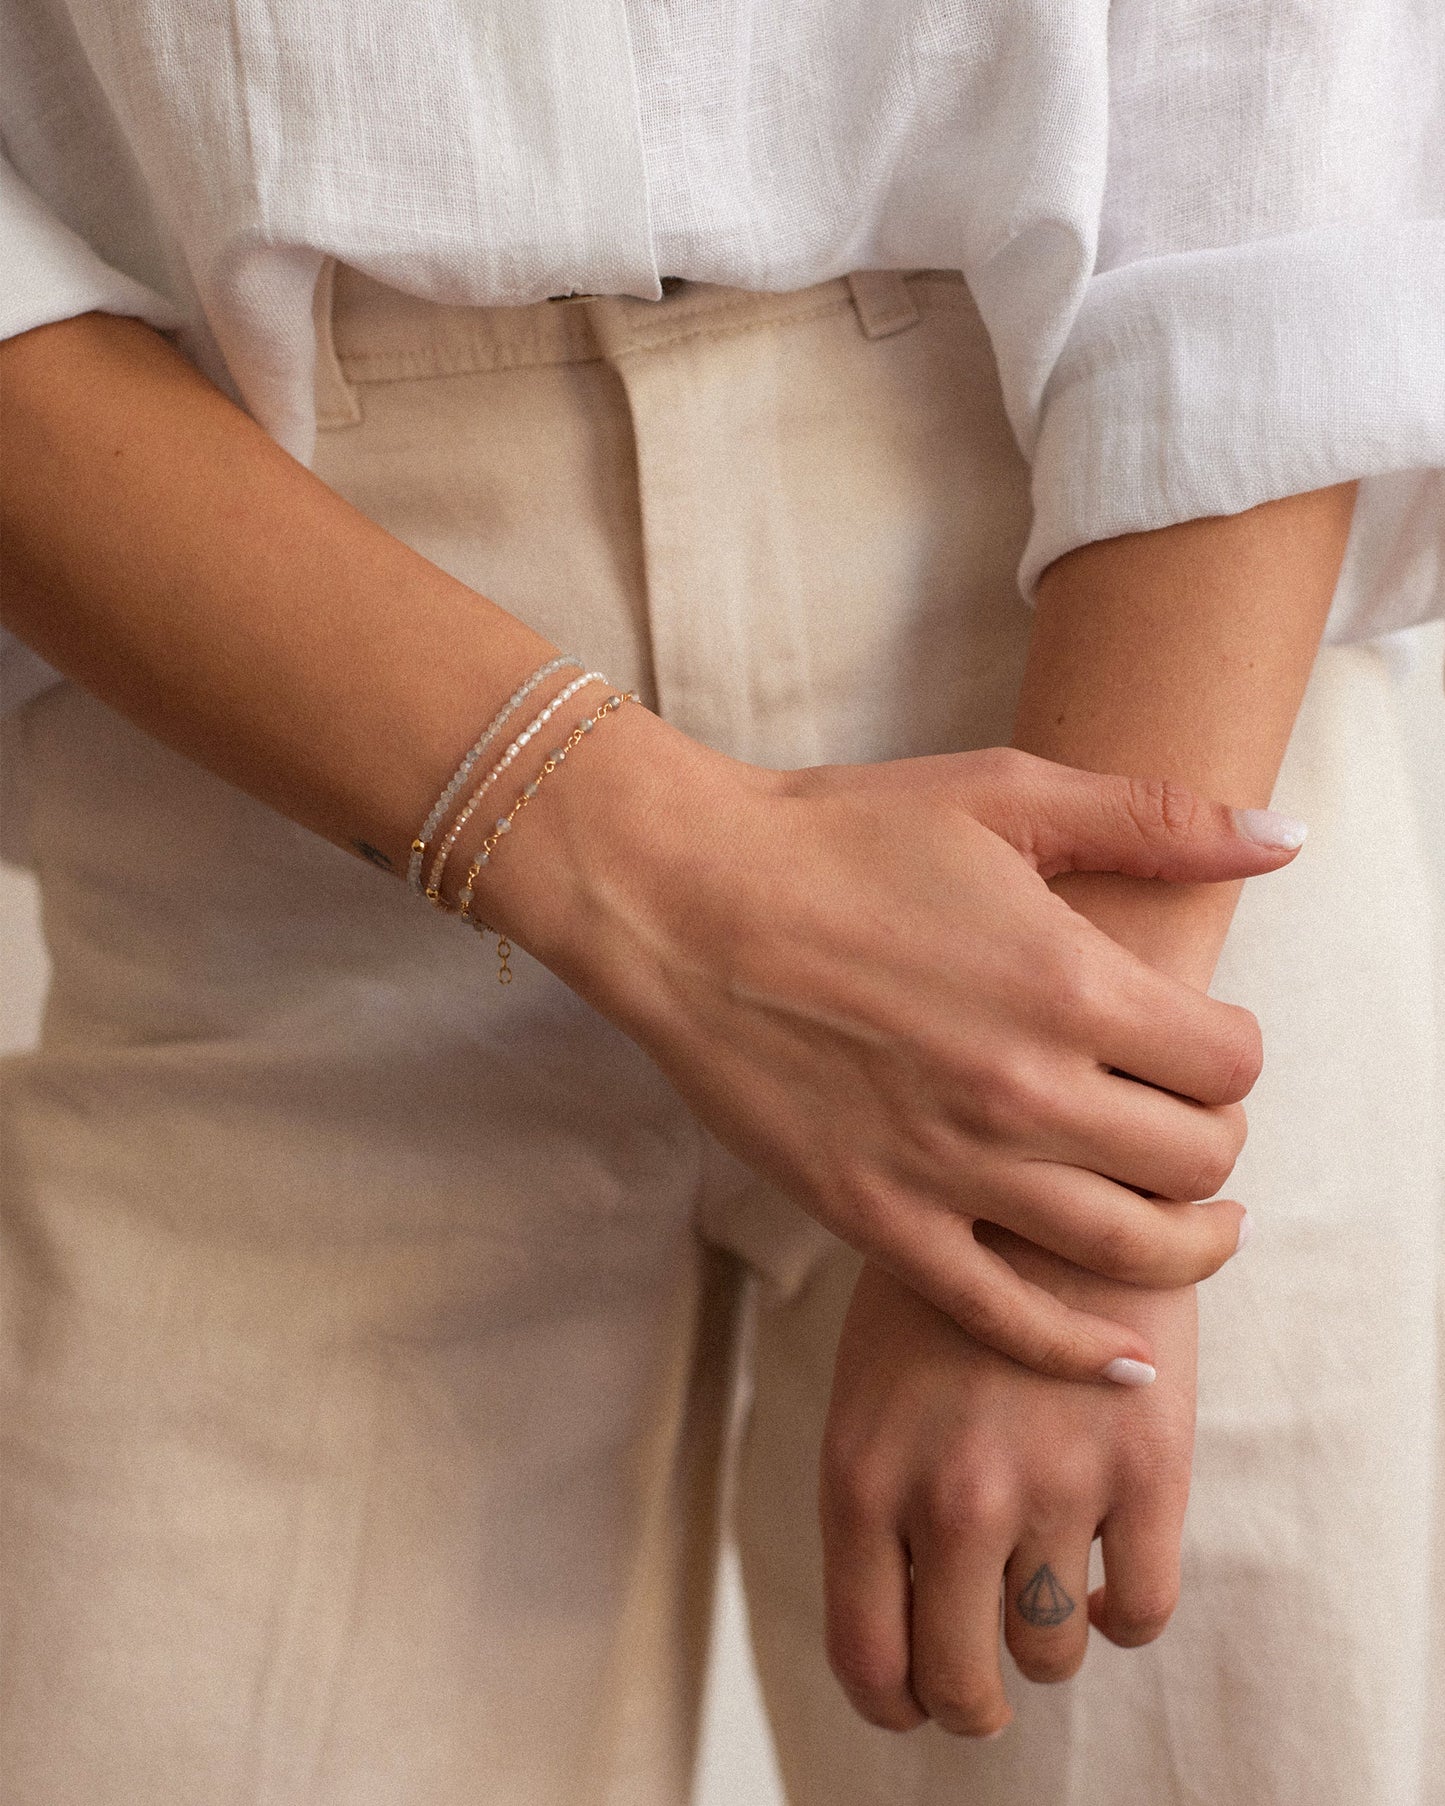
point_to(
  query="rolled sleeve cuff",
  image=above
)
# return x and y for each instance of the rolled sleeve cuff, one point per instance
(1208, 382)
(51, 273)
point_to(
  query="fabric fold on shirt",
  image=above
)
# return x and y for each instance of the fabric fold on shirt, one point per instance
(1206, 241)
(1207, 382)
(53, 274)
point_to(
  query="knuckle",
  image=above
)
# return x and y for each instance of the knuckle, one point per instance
(1190, 1257)
(857, 1489)
(964, 1504)
(1213, 1171)
(870, 1674)
(1244, 1054)
(1160, 807)
(1143, 1619)
(1195, 1167)
(1049, 1663)
(1072, 1495)
(1057, 1355)
(1004, 765)
(1202, 1264)
(960, 1709)
(1010, 1099)
(1233, 1130)
(1077, 988)
(1123, 1247)
(892, 1714)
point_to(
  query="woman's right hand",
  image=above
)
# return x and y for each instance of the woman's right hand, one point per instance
(860, 980)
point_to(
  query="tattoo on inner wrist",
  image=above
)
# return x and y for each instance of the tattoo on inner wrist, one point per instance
(374, 854)
(1043, 1601)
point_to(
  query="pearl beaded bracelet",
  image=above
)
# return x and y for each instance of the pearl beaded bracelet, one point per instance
(464, 770)
(503, 823)
(464, 815)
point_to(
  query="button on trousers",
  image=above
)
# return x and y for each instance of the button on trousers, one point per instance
(387, 1349)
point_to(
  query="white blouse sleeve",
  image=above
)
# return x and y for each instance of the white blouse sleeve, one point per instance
(51, 273)
(1266, 313)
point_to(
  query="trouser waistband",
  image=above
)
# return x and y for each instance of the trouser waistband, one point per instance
(367, 332)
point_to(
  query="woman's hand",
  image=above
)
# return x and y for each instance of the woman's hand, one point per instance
(860, 980)
(953, 1479)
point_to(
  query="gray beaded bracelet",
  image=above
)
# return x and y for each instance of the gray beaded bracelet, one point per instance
(459, 777)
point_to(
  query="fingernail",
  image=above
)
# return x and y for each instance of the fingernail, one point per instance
(1130, 1373)
(993, 1736)
(1269, 829)
(1246, 1229)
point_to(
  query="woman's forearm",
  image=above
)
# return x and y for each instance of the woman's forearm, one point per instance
(165, 553)
(1182, 654)
(788, 950)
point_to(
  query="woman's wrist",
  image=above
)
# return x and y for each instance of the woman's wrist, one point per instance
(608, 846)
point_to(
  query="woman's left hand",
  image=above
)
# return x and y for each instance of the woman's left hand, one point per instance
(952, 1477)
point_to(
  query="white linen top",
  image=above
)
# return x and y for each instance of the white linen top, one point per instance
(1208, 240)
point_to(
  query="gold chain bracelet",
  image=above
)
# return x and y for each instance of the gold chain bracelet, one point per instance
(503, 823)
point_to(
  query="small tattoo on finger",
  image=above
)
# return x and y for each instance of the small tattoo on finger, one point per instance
(1043, 1601)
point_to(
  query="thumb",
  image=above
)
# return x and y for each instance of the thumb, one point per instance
(1064, 820)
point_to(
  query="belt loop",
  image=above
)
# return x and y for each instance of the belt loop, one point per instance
(883, 302)
(336, 403)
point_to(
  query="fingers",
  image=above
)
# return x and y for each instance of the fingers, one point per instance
(1156, 1142)
(1065, 820)
(1168, 1034)
(1141, 1569)
(960, 1543)
(1108, 1230)
(866, 1587)
(982, 1293)
(1046, 1617)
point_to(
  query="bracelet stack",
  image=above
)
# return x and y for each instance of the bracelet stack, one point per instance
(463, 771)
(430, 839)
(533, 727)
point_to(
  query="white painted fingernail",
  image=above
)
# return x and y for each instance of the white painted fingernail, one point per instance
(1268, 829)
(1246, 1229)
(1130, 1373)
(993, 1736)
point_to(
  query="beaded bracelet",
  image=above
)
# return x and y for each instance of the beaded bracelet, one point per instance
(464, 770)
(503, 823)
(535, 726)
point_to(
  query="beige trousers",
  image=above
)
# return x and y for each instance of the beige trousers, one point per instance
(375, 1332)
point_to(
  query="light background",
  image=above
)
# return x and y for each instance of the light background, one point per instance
(737, 1767)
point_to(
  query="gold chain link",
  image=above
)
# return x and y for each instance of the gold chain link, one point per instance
(504, 823)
